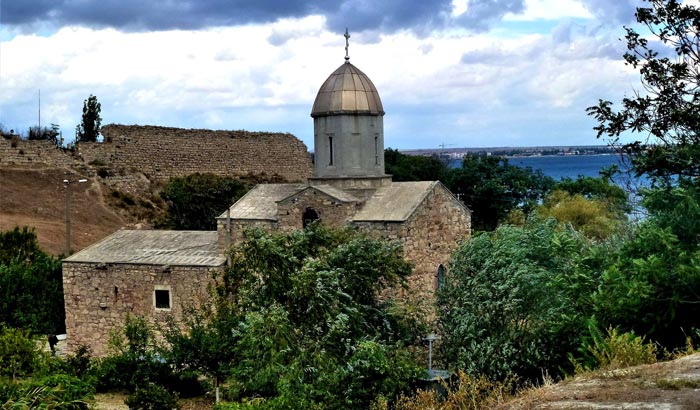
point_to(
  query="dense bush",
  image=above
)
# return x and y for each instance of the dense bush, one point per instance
(31, 285)
(194, 201)
(298, 322)
(19, 353)
(152, 397)
(516, 300)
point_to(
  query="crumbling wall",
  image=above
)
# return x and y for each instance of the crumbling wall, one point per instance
(161, 152)
(23, 153)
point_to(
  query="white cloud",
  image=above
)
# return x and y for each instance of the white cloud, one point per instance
(450, 85)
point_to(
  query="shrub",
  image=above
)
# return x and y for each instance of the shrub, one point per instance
(103, 172)
(43, 397)
(19, 353)
(152, 397)
(468, 393)
(619, 350)
(65, 388)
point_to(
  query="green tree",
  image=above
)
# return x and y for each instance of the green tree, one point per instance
(491, 188)
(19, 352)
(194, 201)
(599, 189)
(665, 113)
(592, 217)
(516, 300)
(404, 167)
(652, 288)
(31, 284)
(301, 324)
(89, 128)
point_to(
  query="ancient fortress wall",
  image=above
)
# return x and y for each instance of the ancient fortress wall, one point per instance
(33, 154)
(161, 153)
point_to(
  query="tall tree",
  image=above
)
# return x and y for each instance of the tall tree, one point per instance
(194, 201)
(89, 128)
(665, 112)
(491, 188)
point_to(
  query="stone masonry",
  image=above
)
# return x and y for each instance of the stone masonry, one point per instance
(161, 153)
(98, 297)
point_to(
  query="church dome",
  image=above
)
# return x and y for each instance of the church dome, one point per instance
(347, 91)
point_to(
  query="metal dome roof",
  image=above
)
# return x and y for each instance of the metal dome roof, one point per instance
(347, 91)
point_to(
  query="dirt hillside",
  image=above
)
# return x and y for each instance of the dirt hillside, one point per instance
(36, 198)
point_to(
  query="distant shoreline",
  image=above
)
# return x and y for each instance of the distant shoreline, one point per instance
(516, 152)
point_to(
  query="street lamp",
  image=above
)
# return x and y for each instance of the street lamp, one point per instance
(66, 184)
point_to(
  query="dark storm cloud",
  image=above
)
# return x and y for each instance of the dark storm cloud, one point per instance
(359, 15)
(481, 13)
(614, 12)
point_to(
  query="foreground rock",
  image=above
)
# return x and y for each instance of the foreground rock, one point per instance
(672, 385)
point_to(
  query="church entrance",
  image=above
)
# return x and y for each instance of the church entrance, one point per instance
(309, 216)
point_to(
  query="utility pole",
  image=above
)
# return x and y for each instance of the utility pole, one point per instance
(66, 185)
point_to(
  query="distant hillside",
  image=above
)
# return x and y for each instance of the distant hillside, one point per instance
(36, 198)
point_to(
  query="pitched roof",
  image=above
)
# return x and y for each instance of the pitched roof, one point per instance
(175, 248)
(395, 202)
(261, 202)
(333, 192)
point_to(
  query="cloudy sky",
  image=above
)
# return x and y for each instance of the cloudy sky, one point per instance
(464, 73)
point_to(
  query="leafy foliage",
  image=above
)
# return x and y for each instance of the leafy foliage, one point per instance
(666, 112)
(52, 134)
(301, 324)
(18, 245)
(31, 284)
(413, 167)
(599, 189)
(89, 128)
(152, 397)
(19, 354)
(619, 350)
(516, 299)
(652, 288)
(196, 200)
(491, 188)
(592, 217)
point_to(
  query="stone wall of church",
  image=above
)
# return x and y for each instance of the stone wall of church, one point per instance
(429, 237)
(330, 211)
(237, 228)
(98, 298)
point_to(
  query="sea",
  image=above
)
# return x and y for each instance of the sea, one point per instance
(563, 166)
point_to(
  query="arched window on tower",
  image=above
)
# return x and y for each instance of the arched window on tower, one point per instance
(440, 277)
(309, 216)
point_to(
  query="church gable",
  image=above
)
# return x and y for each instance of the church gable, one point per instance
(331, 206)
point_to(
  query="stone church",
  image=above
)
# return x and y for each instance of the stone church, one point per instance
(157, 273)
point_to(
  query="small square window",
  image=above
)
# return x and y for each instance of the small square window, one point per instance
(162, 297)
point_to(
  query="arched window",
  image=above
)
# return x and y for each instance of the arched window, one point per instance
(309, 216)
(440, 277)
